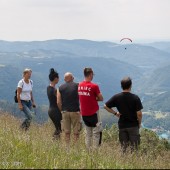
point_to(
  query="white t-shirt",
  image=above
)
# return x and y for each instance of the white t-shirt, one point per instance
(26, 89)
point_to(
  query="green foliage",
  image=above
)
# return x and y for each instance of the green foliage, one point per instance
(110, 134)
(107, 118)
(35, 149)
(149, 120)
(150, 143)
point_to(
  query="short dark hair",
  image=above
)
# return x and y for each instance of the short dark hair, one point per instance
(53, 74)
(87, 71)
(126, 83)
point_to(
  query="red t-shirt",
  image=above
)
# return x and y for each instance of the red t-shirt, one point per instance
(88, 92)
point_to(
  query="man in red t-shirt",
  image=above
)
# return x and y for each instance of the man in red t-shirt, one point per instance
(89, 95)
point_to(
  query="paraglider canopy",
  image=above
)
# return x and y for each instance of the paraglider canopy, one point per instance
(125, 39)
(128, 39)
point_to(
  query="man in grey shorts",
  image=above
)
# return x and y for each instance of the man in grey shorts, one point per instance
(130, 114)
(68, 103)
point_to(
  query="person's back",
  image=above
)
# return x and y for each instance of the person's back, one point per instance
(88, 92)
(126, 103)
(68, 103)
(69, 96)
(130, 115)
(89, 95)
(51, 93)
(53, 111)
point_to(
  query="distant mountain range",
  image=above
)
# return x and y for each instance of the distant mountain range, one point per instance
(165, 46)
(147, 64)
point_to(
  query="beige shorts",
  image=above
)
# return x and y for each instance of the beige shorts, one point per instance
(71, 119)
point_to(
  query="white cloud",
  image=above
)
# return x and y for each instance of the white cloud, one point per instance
(89, 19)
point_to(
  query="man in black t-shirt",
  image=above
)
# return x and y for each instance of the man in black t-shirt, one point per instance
(68, 103)
(129, 112)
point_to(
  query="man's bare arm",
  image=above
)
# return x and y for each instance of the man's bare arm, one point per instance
(99, 97)
(59, 102)
(139, 116)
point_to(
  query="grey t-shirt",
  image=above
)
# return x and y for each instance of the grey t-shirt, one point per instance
(69, 97)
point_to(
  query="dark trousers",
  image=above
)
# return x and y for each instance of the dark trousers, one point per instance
(129, 137)
(56, 117)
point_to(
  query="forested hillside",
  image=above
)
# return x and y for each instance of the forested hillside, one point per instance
(147, 65)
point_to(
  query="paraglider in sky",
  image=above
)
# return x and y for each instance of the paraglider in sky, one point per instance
(127, 39)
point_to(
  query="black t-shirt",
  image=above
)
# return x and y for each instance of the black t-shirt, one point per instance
(127, 104)
(51, 93)
(69, 96)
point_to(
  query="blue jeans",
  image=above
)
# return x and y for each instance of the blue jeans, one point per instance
(28, 111)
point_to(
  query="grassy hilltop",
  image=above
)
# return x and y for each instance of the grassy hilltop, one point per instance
(37, 149)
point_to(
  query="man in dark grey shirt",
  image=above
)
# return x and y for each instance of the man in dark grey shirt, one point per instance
(68, 103)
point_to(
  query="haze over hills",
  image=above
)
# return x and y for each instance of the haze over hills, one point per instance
(156, 89)
(110, 62)
(161, 79)
(71, 46)
(165, 46)
(139, 55)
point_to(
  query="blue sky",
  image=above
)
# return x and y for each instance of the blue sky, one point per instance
(29, 20)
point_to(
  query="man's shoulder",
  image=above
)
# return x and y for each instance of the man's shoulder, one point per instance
(62, 86)
(89, 83)
(75, 83)
(117, 95)
(68, 84)
(134, 95)
(82, 83)
(93, 84)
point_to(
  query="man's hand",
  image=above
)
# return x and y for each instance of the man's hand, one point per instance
(33, 105)
(118, 114)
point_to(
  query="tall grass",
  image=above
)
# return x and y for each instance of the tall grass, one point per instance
(36, 149)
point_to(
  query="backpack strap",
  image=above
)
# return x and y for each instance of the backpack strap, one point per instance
(22, 83)
(31, 82)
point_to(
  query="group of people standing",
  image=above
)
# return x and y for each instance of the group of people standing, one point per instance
(73, 102)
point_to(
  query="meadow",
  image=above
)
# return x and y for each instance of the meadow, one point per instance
(36, 149)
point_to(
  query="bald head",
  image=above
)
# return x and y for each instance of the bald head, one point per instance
(68, 77)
